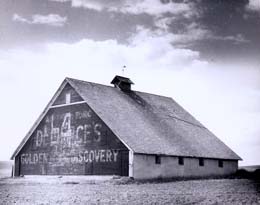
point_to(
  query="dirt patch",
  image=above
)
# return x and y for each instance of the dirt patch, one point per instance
(71, 182)
(115, 191)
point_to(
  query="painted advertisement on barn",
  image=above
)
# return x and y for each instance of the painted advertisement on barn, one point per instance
(73, 140)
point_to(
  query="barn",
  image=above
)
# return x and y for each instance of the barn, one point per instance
(93, 129)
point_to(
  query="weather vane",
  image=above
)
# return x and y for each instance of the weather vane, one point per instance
(123, 70)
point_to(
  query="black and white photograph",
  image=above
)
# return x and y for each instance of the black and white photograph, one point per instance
(129, 102)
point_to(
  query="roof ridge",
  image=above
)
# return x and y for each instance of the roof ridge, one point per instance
(136, 91)
(83, 81)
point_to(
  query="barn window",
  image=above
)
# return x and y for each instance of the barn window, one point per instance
(157, 159)
(220, 163)
(201, 162)
(181, 161)
(68, 98)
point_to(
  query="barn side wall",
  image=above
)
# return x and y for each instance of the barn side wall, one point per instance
(146, 168)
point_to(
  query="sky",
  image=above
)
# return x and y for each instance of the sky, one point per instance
(205, 54)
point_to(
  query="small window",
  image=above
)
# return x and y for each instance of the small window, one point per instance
(181, 161)
(220, 163)
(157, 159)
(201, 162)
(68, 98)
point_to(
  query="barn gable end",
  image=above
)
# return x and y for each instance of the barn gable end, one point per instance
(69, 139)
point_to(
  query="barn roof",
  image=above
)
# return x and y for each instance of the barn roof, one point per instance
(150, 124)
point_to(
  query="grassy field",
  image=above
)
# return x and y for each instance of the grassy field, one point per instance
(80, 190)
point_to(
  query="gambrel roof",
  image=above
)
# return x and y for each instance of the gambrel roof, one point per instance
(147, 123)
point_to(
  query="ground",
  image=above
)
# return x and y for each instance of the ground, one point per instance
(80, 190)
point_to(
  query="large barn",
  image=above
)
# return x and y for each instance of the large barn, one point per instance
(94, 129)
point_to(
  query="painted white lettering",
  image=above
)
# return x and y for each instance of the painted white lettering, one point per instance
(66, 125)
(83, 115)
(22, 158)
(87, 133)
(45, 136)
(86, 156)
(97, 132)
(43, 158)
(108, 156)
(35, 158)
(80, 157)
(97, 155)
(91, 156)
(115, 153)
(55, 135)
(79, 130)
(102, 155)
(55, 132)
(39, 138)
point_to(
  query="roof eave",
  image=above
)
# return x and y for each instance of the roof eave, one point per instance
(191, 156)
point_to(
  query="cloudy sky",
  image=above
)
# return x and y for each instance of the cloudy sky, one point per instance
(203, 53)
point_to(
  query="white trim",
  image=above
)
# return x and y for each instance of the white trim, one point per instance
(131, 164)
(68, 98)
(64, 105)
(13, 170)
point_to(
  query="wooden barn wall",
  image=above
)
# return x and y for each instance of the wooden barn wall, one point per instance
(72, 140)
(61, 99)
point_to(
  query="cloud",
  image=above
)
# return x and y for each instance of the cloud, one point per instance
(145, 49)
(18, 18)
(156, 7)
(254, 5)
(51, 19)
(239, 38)
(94, 5)
(193, 32)
(166, 15)
(151, 7)
(97, 5)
